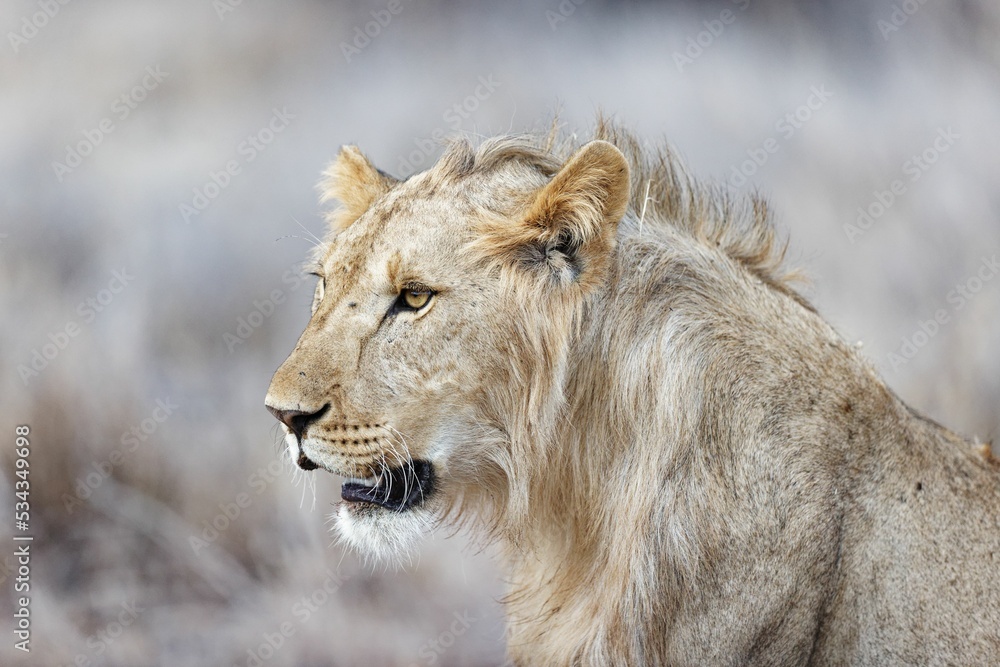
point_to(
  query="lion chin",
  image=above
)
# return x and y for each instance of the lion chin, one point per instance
(383, 517)
(382, 535)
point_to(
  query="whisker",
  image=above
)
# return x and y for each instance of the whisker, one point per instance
(409, 460)
(319, 241)
(386, 474)
(294, 236)
(398, 458)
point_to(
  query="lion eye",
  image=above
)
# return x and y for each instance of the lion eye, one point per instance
(415, 299)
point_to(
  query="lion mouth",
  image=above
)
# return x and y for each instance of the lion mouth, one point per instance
(397, 489)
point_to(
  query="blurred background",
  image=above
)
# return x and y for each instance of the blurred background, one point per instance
(157, 173)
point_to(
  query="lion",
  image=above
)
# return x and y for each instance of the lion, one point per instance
(601, 365)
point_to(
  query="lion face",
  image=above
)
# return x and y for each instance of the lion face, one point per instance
(398, 380)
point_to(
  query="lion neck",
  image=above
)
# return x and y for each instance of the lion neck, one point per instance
(666, 382)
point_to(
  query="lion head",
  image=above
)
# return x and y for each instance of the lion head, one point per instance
(440, 322)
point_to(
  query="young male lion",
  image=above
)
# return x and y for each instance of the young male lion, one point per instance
(600, 363)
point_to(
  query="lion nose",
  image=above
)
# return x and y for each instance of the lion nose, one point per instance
(296, 420)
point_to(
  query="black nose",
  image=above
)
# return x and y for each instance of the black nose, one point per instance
(297, 420)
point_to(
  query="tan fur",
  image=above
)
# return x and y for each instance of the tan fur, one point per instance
(685, 464)
(355, 183)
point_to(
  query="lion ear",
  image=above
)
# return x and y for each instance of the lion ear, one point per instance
(569, 229)
(354, 181)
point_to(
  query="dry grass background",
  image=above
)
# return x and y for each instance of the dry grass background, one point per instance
(163, 336)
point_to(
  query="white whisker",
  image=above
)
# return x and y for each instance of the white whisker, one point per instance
(318, 240)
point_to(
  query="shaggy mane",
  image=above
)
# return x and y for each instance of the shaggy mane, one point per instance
(662, 193)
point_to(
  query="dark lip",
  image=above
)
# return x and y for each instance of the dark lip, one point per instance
(305, 462)
(399, 490)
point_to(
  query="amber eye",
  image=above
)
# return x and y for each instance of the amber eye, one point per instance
(416, 299)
